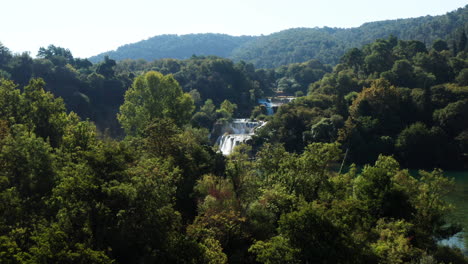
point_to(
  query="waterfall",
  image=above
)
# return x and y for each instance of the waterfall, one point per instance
(235, 133)
(268, 105)
(229, 141)
(273, 103)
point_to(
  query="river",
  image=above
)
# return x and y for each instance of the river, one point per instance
(459, 198)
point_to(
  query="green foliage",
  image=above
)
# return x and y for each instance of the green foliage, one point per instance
(153, 96)
(452, 117)
(440, 45)
(47, 114)
(416, 146)
(53, 246)
(293, 119)
(317, 238)
(296, 45)
(275, 251)
(69, 194)
(177, 47)
(393, 245)
(462, 78)
(105, 68)
(10, 253)
(27, 171)
(226, 111)
(5, 56)
(213, 252)
(10, 102)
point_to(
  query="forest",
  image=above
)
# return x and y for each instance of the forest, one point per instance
(111, 162)
(294, 45)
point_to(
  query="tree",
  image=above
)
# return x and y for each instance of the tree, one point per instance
(462, 41)
(453, 117)
(376, 101)
(354, 58)
(59, 56)
(226, 110)
(314, 238)
(47, 114)
(206, 116)
(39, 110)
(10, 102)
(28, 172)
(462, 78)
(440, 45)
(401, 74)
(277, 250)
(21, 68)
(106, 68)
(393, 245)
(5, 56)
(154, 96)
(415, 146)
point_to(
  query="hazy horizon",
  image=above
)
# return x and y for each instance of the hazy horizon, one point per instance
(88, 27)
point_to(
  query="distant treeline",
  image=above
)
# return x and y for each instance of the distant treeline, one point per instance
(293, 45)
(96, 91)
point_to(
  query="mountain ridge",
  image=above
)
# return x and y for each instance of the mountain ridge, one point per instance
(293, 45)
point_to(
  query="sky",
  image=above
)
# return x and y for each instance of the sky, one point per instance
(89, 27)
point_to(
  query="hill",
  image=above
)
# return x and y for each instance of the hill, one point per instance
(176, 47)
(293, 45)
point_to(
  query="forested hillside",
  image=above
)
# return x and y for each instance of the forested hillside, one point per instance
(112, 163)
(177, 47)
(393, 97)
(329, 44)
(293, 45)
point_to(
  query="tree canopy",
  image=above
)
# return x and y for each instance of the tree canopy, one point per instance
(154, 96)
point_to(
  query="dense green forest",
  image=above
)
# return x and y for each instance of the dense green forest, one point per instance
(177, 47)
(111, 162)
(96, 91)
(293, 45)
(393, 97)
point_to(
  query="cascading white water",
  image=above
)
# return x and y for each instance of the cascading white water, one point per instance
(235, 133)
(240, 126)
(273, 103)
(230, 141)
(268, 105)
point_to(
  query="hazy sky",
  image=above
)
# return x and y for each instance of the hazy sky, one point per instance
(89, 27)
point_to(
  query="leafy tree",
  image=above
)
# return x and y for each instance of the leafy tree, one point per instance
(5, 56)
(401, 74)
(20, 68)
(440, 45)
(105, 68)
(275, 251)
(11, 103)
(226, 110)
(462, 78)
(435, 63)
(451, 118)
(393, 245)
(353, 58)
(153, 96)
(28, 175)
(47, 114)
(59, 56)
(416, 146)
(462, 42)
(316, 237)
